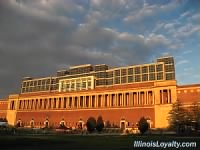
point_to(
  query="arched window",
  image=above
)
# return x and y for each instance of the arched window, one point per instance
(32, 123)
(19, 123)
(62, 124)
(46, 123)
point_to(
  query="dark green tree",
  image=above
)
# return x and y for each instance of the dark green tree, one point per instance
(195, 115)
(91, 124)
(143, 125)
(177, 116)
(100, 124)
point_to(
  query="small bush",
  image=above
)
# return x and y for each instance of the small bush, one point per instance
(143, 125)
(91, 124)
(100, 124)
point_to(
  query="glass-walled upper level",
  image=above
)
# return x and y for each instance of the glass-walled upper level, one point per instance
(162, 69)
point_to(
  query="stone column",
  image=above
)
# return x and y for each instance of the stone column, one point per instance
(123, 99)
(86, 84)
(72, 102)
(161, 96)
(84, 101)
(103, 101)
(153, 97)
(60, 85)
(131, 99)
(90, 101)
(109, 100)
(168, 97)
(116, 100)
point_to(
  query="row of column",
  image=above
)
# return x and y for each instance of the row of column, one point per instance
(165, 96)
(91, 101)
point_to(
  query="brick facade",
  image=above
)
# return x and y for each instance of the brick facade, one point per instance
(187, 94)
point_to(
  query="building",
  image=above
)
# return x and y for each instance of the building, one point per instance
(121, 96)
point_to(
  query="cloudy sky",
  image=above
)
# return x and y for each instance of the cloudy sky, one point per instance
(39, 37)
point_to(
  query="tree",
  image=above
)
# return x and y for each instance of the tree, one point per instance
(177, 116)
(100, 124)
(91, 124)
(194, 113)
(143, 125)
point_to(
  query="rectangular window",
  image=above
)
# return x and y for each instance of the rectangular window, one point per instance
(123, 79)
(130, 71)
(72, 85)
(152, 68)
(117, 80)
(137, 78)
(170, 76)
(144, 69)
(144, 77)
(159, 67)
(101, 74)
(123, 71)
(109, 81)
(169, 68)
(117, 72)
(28, 83)
(152, 76)
(89, 83)
(137, 70)
(84, 85)
(101, 82)
(130, 79)
(160, 76)
(35, 83)
(110, 74)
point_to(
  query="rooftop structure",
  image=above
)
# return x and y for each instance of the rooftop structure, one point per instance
(81, 77)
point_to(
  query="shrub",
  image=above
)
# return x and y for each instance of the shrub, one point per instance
(91, 124)
(143, 125)
(100, 124)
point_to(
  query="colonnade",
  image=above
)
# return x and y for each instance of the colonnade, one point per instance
(103, 100)
(97, 100)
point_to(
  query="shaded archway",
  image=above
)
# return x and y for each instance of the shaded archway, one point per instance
(19, 123)
(32, 123)
(123, 123)
(81, 124)
(46, 123)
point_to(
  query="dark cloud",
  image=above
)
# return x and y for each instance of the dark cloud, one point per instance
(39, 37)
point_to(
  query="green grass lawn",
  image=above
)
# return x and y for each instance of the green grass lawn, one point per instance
(64, 142)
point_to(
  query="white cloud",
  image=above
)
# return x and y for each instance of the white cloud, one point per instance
(148, 10)
(196, 17)
(188, 69)
(182, 62)
(187, 30)
(169, 25)
(185, 14)
(187, 52)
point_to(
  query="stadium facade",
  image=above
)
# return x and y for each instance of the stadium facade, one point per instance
(121, 96)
